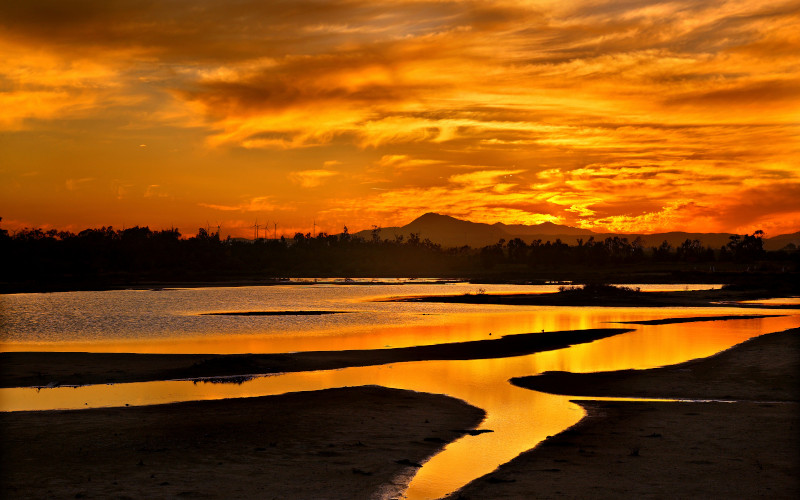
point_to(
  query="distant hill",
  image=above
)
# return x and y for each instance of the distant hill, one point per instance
(451, 232)
(545, 228)
(780, 241)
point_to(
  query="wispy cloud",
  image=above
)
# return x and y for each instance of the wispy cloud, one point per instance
(311, 178)
(75, 184)
(257, 204)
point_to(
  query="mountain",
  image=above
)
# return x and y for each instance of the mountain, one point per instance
(451, 232)
(545, 228)
(446, 231)
(782, 240)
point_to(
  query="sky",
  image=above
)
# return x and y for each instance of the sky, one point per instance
(610, 115)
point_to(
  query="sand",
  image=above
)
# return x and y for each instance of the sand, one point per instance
(26, 369)
(658, 450)
(337, 443)
(744, 449)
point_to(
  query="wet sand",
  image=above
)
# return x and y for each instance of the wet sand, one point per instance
(336, 443)
(742, 449)
(26, 369)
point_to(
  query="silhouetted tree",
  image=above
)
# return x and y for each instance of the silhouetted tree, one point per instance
(747, 247)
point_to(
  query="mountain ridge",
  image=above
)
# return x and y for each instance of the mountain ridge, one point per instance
(450, 231)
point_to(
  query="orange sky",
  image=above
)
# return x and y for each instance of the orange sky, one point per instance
(609, 115)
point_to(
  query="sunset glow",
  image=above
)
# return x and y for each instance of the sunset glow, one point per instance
(606, 115)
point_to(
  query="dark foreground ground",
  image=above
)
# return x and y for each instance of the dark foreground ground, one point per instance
(659, 450)
(338, 444)
(742, 449)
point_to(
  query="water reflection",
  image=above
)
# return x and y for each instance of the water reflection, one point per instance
(172, 321)
(778, 301)
(519, 418)
(422, 328)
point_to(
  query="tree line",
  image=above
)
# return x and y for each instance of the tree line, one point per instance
(141, 254)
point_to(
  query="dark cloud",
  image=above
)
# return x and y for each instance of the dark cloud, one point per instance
(761, 92)
(204, 30)
(749, 206)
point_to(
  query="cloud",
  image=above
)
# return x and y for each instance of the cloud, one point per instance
(483, 179)
(311, 178)
(155, 191)
(257, 204)
(630, 114)
(76, 184)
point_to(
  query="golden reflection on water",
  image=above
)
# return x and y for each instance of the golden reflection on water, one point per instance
(520, 418)
(437, 329)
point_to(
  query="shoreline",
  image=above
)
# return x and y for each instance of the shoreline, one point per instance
(741, 449)
(41, 369)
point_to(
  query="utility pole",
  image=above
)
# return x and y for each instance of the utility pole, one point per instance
(314, 233)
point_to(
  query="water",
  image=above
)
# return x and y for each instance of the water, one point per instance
(520, 418)
(172, 320)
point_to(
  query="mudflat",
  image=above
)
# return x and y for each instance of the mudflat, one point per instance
(337, 443)
(746, 448)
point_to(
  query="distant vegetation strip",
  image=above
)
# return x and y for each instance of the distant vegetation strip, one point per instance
(39, 260)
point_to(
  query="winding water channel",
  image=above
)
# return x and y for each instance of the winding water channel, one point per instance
(169, 321)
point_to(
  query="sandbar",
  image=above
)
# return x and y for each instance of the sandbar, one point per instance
(695, 319)
(41, 369)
